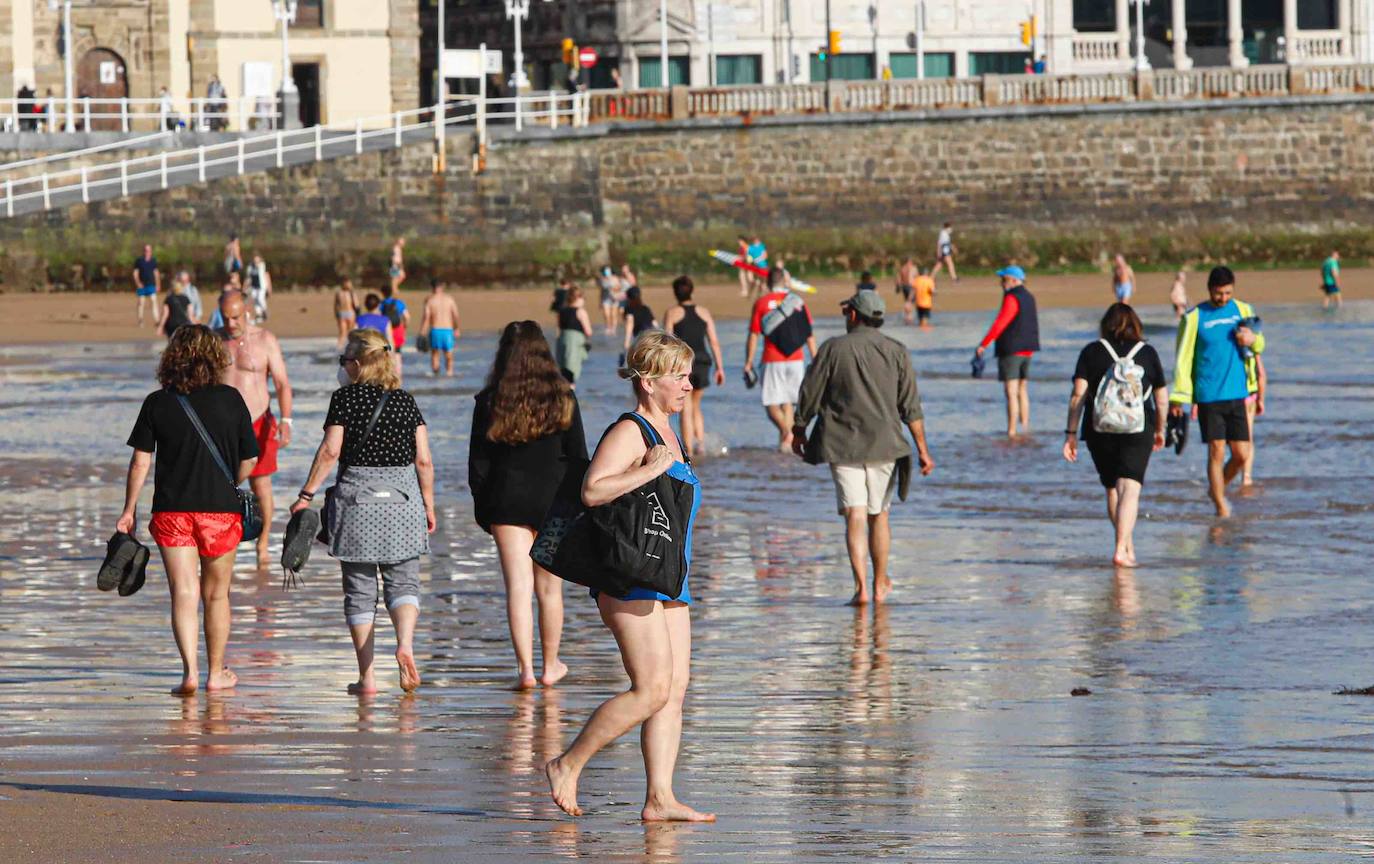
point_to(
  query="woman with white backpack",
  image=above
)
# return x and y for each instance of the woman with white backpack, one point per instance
(1120, 390)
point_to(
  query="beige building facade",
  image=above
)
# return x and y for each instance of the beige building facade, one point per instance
(351, 59)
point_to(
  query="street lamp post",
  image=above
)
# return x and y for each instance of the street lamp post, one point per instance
(67, 59)
(289, 99)
(517, 11)
(1142, 64)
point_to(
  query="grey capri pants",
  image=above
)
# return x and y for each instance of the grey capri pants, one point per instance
(400, 587)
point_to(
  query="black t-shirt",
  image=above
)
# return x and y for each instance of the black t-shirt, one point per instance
(178, 312)
(392, 442)
(146, 268)
(185, 477)
(1094, 362)
(643, 318)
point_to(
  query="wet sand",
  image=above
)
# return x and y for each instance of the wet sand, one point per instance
(110, 317)
(940, 727)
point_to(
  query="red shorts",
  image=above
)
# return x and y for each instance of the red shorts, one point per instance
(398, 335)
(265, 430)
(213, 534)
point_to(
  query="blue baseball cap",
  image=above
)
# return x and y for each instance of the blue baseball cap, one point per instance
(1013, 271)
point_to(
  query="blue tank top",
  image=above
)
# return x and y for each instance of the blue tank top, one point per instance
(678, 471)
(374, 321)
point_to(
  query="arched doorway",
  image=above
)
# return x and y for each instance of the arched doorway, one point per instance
(100, 75)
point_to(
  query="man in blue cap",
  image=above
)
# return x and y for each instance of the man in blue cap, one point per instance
(1016, 330)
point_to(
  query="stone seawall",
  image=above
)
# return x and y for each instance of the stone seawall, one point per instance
(1257, 182)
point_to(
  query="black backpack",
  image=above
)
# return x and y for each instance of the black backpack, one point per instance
(392, 311)
(638, 540)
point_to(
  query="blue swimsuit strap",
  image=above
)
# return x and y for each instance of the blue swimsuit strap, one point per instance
(651, 434)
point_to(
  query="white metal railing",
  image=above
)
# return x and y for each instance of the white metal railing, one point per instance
(93, 113)
(263, 151)
(76, 154)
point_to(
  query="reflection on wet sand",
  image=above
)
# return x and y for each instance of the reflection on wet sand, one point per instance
(937, 726)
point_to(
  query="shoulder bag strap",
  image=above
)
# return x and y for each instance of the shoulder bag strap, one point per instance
(1105, 344)
(205, 437)
(1134, 350)
(376, 415)
(651, 436)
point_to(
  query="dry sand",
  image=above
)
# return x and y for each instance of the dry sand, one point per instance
(109, 317)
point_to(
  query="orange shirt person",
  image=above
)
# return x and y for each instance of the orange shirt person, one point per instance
(923, 286)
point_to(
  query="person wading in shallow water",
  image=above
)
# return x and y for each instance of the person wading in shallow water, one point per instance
(196, 520)
(383, 509)
(526, 426)
(255, 357)
(654, 631)
(862, 389)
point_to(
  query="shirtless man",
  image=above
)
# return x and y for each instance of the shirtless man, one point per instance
(906, 286)
(398, 263)
(1178, 294)
(345, 310)
(255, 356)
(1123, 280)
(440, 323)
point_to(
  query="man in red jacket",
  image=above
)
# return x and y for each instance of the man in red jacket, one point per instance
(1016, 330)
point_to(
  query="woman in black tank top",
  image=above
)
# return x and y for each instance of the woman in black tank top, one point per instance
(695, 326)
(574, 329)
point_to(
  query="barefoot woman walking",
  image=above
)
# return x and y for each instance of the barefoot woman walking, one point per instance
(383, 509)
(1120, 457)
(525, 423)
(654, 631)
(196, 518)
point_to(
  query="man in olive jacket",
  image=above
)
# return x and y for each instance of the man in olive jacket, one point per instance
(861, 390)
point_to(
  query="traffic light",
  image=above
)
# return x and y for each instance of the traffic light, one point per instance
(833, 46)
(1028, 31)
(569, 52)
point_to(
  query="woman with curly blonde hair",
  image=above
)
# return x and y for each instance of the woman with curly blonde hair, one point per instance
(525, 427)
(653, 631)
(381, 513)
(196, 518)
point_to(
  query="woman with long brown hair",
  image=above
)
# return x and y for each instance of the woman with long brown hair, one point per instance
(525, 425)
(1120, 456)
(382, 509)
(197, 523)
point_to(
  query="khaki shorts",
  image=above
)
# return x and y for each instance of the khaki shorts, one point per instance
(869, 486)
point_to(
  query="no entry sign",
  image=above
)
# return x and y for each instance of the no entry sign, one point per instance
(587, 57)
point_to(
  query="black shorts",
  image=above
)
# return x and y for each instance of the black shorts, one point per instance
(1223, 421)
(922, 313)
(700, 376)
(905, 291)
(1120, 457)
(1013, 367)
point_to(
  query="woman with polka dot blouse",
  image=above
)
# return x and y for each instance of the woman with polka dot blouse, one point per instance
(381, 509)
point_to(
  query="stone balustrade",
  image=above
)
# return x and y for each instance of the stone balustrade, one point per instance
(984, 91)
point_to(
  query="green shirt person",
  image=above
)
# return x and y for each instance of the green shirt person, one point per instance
(1331, 280)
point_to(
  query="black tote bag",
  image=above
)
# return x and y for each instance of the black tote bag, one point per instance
(645, 530)
(635, 541)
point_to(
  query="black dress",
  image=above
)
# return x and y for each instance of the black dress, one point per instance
(1118, 456)
(514, 485)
